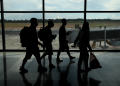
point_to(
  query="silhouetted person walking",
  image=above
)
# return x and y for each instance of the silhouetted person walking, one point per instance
(63, 43)
(83, 38)
(32, 46)
(47, 41)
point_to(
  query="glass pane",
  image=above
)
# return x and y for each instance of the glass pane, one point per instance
(101, 24)
(74, 22)
(14, 22)
(103, 5)
(22, 5)
(64, 5)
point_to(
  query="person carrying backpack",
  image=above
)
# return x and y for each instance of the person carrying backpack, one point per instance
(83, 41)
(47, 42)
(29, 40)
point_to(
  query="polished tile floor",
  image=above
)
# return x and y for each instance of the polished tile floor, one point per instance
(64, 74)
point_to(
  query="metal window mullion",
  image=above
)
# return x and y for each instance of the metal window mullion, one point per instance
(61, 11)
(85, 6)
(43, 14)
(2, 22)
(103, 11)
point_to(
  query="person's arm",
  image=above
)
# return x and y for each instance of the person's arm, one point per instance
(89, 47)
(76, 40)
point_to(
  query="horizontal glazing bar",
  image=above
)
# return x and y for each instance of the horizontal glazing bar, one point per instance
(64, 51)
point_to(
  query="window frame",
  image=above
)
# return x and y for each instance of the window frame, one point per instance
(43, 12)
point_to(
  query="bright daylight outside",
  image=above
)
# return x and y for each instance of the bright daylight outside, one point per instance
(104, 27)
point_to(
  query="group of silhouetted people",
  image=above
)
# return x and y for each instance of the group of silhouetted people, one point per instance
(32, 45)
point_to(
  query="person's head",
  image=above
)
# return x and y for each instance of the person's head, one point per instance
(85, 26)
(64, 21)
(34, 22)
(50, 23)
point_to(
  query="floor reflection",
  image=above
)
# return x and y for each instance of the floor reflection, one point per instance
(83, 80)
(94, 82)
(65, 74)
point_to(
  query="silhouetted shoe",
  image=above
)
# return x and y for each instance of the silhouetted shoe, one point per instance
(51, 66)
(80, 70)
(59, 60)
(22, 69)
(42, 69)
(71, 58)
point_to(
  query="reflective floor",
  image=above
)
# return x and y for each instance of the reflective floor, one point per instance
(64, 74)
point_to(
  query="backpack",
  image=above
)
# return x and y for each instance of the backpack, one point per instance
(41, 34)
(24, 36)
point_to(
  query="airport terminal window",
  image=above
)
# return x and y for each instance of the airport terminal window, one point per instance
(13, 27)
(103, 5)
(72, 20)
(110, 20)
(64, 5)
(100, 15)
(101, 22)
(22, 5)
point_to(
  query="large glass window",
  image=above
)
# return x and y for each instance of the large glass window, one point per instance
(110, 20)
(104, 26)
(73, 19)
(64, 5)
(14, 22)
(22, 5)
(55, 10)
(103, 5)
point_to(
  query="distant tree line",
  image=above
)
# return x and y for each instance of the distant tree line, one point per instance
(57, 20)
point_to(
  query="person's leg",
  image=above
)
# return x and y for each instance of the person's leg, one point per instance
(86, 60)
(37, 55)
(58, 54)
(49, 52)
(67, 48)
(44, 54)
(59, 51)
(27, 56)
(71, 57)
(50, 61)
(81, 57)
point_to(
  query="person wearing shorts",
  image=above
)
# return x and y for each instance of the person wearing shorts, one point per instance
(32, 47)
(47, 41)
(63, 43)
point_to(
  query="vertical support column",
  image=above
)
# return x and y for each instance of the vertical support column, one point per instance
(2, 23)
(43, 4)
(85, 6)
(43, 14)
(43, 24)
(104, 37)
